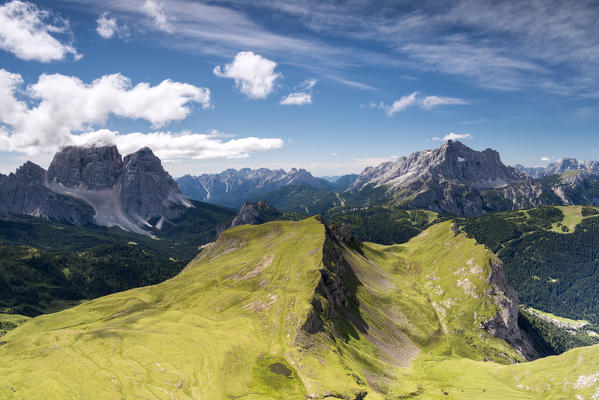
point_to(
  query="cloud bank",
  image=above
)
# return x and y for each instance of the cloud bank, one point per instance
(65, 104)
(170, 146)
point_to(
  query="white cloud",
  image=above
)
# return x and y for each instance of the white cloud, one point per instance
(413, 99)
(303, 96)
(434, 101)
(175, 146)
(65, 104)
(297, 99)
(545, 159)
(453, 136)
(401, 104)
(26, 32)
(155, 10)
(253, 74)
(107, 26)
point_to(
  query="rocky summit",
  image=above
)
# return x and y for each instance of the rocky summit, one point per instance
(95, 185)
(455, 179)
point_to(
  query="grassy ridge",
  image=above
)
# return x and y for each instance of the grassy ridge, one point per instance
(232, 325)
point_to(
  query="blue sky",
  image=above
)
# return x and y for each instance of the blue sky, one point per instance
(328, 86)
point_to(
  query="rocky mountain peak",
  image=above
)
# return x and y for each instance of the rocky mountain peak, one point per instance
(454, 178)
(95, 185)
(564, 164)
(94, 168)
(452, 161)
(31, 173)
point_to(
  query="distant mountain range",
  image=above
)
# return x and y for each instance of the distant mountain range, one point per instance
(96, 185)
(452, 179)
(233, 187)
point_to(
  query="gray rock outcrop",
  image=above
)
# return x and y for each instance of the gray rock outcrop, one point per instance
(255, 213)
(504, 324)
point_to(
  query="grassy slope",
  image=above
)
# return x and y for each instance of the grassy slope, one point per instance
(10, 321)
(220, 328)
(574, 322)
(572, 217)
(198, 334)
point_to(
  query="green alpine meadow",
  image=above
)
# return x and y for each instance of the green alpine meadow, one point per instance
(300, 310)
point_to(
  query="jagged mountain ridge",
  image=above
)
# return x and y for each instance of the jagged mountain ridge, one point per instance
(95, 185)
(233, 187)
(455, 179)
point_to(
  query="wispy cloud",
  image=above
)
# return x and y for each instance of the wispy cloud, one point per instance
(414, 99)
(107, 27)
(507, 45)
(155, 10)
(296, 99)
(301, 96)
(545, 159)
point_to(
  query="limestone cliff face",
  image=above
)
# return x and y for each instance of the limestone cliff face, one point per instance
(335, 276)
(454, 178)
(148, 192)
(504, 324)
(94, 168)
